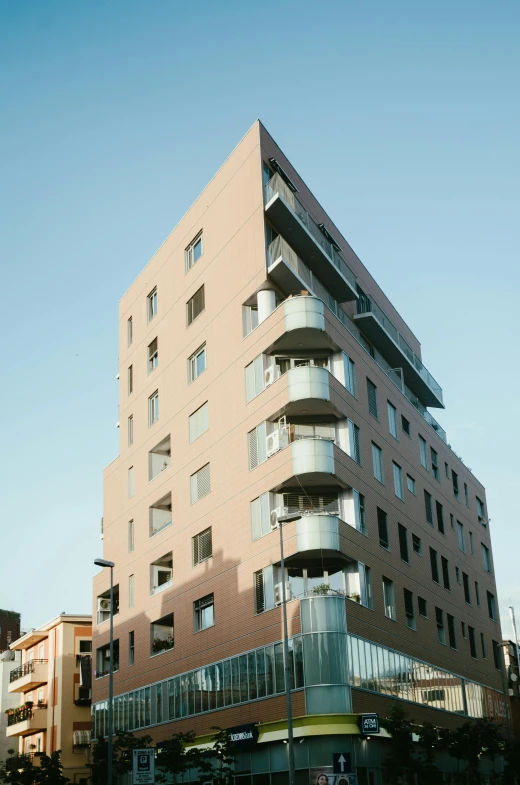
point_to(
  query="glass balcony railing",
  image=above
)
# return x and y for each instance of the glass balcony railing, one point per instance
(281, 248)
(365, 304)
(276, 185)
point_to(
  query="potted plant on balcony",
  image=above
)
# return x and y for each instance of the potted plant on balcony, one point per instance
(355, 597)
(322, 588)
(29, 704)
(162, 644)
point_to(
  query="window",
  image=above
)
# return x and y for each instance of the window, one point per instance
(483, 645)
(259, 591)
(85, 647)
(130, 536)
(200, 484)
(103, 605)
(392, 420)
(249, 318)
(452, 638)
(457, 574)
(472, 643)
(202, 546)
(260, 514)
(130, 430)
(435, 464)
(161, 574)
(152, 304)
(492, 606)
(417, 544)
(204, 613)
(434, 565)
(405, 425)
(477, 593)
(388, 598)
(372, 398)
(471, 545)
(161, 635)
(195, 305)
(422, 452)
(445, 573)
(481, 512)
(466, 497)
(486, 558)
(440, 517)
(409, 609)
(428, 507)
(452, 521)
(256, 446)
(159, 458)
(410, 482)
(398, 480)
(129, 331)
(497, 656)
(354, 442)
(403, 542)
(382, 526)
(160, 514)
(460, 535)
(465, 583)
(423, 607)
(153, 408)
(463, 628)
(130, 482)
(130, 379)
(377, 460)
(130, 591)
(455, 481)
(439, 620)
(131, 647)
(350, 374)
(153, 355)
(446, 470)
(199, 422)
(359, 511)
(193, 252)
(103, 659)
(197, 363)
(254, 373)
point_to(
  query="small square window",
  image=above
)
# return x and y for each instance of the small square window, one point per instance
(204, 613)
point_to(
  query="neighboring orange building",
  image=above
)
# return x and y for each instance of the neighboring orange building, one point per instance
(54, 685)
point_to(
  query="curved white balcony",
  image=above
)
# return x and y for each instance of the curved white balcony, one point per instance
(317, 533)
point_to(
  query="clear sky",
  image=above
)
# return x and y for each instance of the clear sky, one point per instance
(402, 117)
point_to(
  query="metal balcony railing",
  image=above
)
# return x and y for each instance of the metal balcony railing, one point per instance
(23, 670)
(23, 713)
(276, 185)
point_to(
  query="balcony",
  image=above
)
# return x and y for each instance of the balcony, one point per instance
(304, 326)
(380, 330)
(315, 458)
(26, 720)
(311, 242)
(28, 676)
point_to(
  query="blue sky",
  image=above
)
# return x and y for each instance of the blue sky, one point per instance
(402, 118)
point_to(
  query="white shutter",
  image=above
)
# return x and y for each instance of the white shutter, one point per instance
(261, 435)
(348, 371)
(337, 366)
(199, 422)
(398, 480)
(250, 382)
(252, 449)
(357, 511)
(200, 484)
(130, 482)
(130, 591)
(392, 420)
(256, 519)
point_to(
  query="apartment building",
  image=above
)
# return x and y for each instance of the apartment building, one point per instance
(263, 371)
(9, 628)
(53, 686)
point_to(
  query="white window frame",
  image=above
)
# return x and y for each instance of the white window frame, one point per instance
(129, 331)
(398, 480)
(151, 305)
(192, 363)
(130, 429)
(153, 356)
(377, 463)
(198, 422)
(410, 484)
(423, 452)
(153, 408)
(389, 599)
(392, 420)
(198, 612)
(189, 253)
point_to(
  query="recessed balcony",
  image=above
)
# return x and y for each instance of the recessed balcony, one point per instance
(374, 323)
(28, 676)
(26, 720)
(312, 243)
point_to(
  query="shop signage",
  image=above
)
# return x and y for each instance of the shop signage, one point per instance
(369, 724)
(143, 767)
(243, 735)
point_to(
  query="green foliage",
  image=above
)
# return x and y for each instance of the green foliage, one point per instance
(177, 755)
(468, 743)
(18, 770)
(122, 747)
(400, 760)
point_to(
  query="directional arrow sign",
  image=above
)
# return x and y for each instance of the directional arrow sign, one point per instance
(341, 763)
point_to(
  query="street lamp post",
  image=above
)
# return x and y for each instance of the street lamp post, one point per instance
(105, 563)
(280, 520)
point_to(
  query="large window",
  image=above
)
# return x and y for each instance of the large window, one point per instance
(256, 446)
(161, 573)
(161, 635)
(197, 363)
(193, 252)
(204, 613)
(103, 659)
(200, 484)
(354, 441)
(195, 305)
(159, 458)
(160, 514)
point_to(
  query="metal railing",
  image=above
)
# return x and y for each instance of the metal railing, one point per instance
(365, 304)
(276, 185)
(23, 713)
(26, 668)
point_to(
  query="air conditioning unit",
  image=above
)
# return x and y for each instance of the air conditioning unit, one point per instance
(278, 597)
(276, 440)
(103, 604)
(274, 516)
(271, 374)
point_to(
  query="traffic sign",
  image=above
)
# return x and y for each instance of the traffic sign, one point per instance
(341, 763)
(143, 767)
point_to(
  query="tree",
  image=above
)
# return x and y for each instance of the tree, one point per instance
(50, 770)
(122, 747)
(174, 757)
(222, 754)
(469, 742)
(400, 760)
(19, 770)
